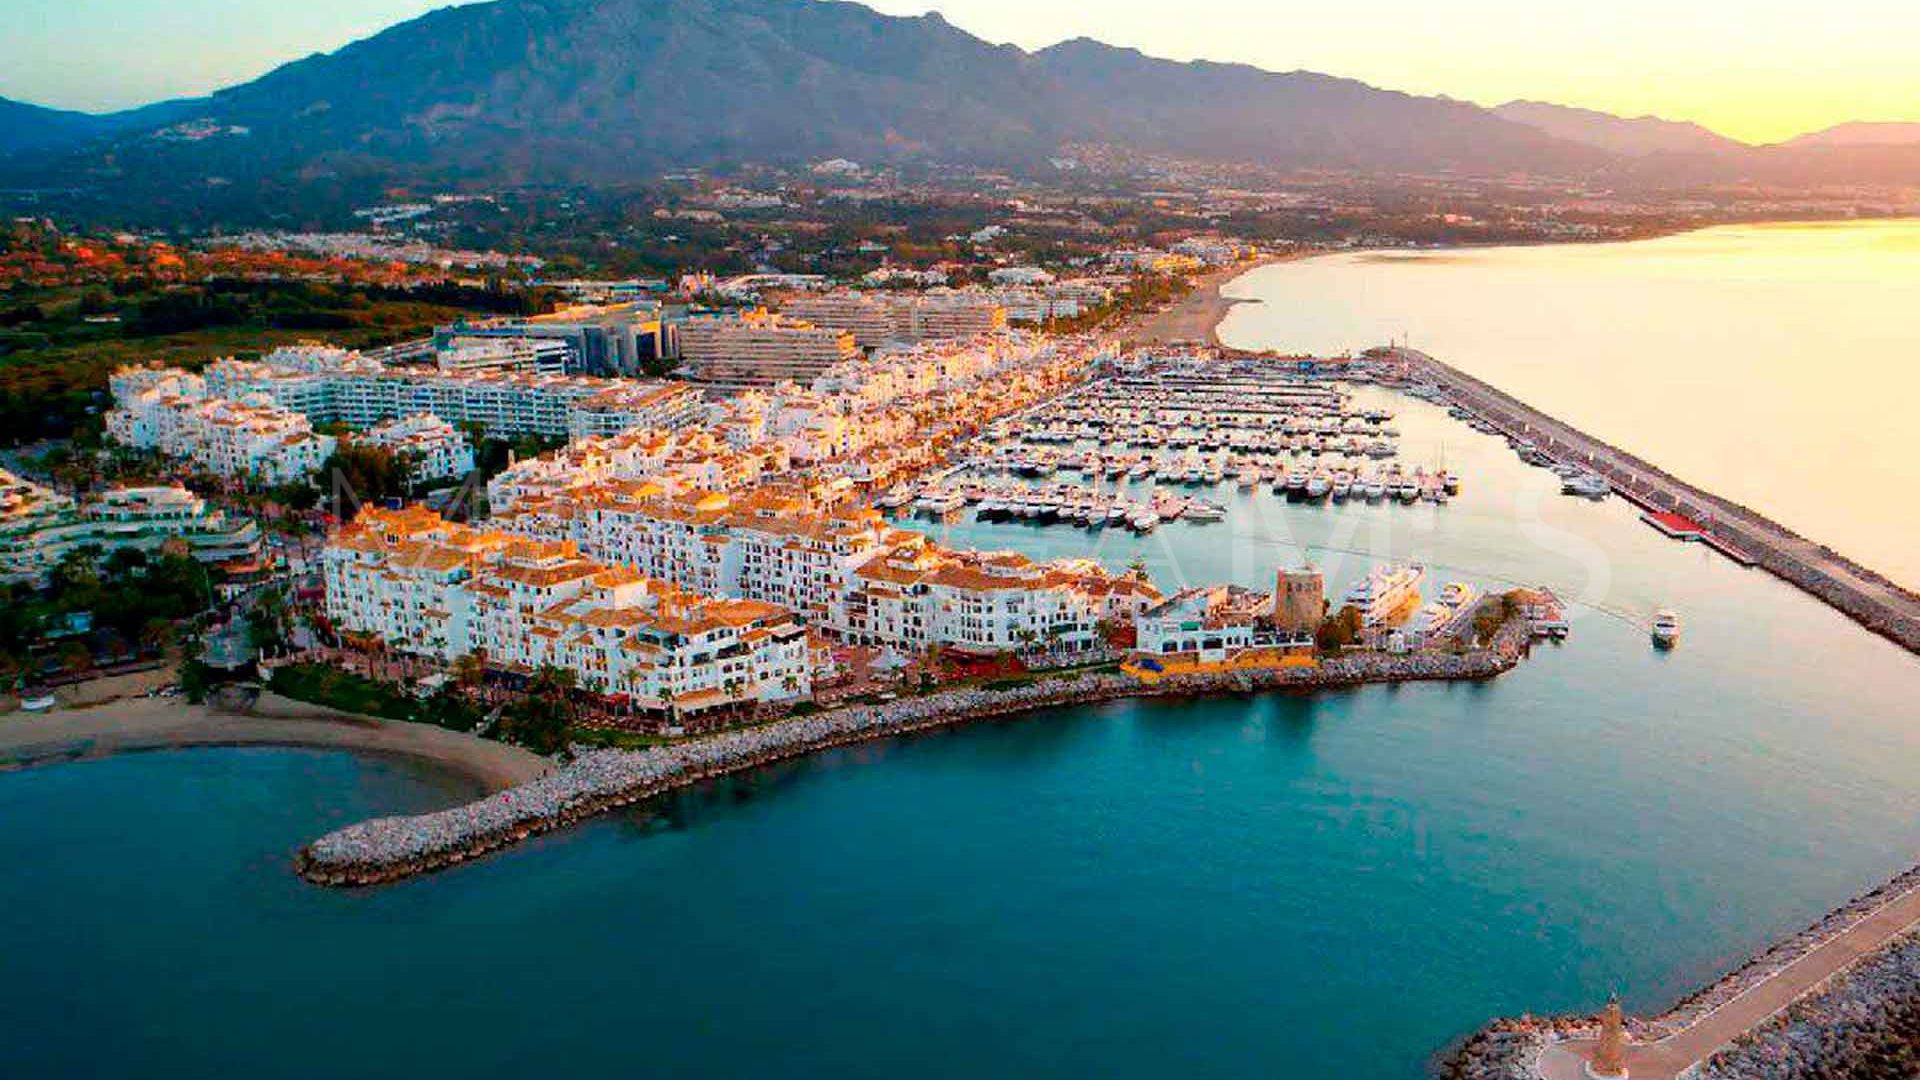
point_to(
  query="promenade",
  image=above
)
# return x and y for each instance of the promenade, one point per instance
(1672, 1056)
(1856, 591)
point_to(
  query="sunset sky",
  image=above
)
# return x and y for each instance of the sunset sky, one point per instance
(1760, 70)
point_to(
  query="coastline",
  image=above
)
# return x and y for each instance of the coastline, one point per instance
(136, 724)
(1196, 318)
(391, 849)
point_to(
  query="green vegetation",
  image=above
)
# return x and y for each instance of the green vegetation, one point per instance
(1339, 630)
(135, 602)
(542, 719)
(58, 345)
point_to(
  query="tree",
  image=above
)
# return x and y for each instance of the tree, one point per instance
(156, 635)
(470, 670)
(75, 658)
(1338, 630)
(541, 719)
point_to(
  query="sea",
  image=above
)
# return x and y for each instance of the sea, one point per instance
(1772, 364)
(1329, 885)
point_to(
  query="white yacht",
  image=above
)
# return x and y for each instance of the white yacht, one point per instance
(1666, 629)
(1385, 591)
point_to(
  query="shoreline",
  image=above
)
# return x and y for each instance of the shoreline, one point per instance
(385, 850)
(1196, 318)
(140, 724)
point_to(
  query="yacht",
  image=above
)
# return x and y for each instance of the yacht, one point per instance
(1342, 486)
(1201, 510)
(1318, 486)
(1587, 486)
(1297, 478)
(1143, 520)
(1386, 590)
(1376, 490)
(1666, 629)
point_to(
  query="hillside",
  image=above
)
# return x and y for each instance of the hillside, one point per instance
(1630, 137)
(595, 90)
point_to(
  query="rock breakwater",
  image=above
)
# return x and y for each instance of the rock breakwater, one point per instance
(389, 849)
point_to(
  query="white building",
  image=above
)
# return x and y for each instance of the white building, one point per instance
(40, 527)
(884, 318)
(247, 438)
(422, 585)
(430, 447)
(334, 385)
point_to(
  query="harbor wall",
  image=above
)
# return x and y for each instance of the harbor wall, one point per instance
(390, 849)
(1864, 595)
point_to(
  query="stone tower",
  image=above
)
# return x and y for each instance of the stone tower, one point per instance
(1299, 600)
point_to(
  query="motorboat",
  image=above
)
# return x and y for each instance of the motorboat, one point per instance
(1666, 629)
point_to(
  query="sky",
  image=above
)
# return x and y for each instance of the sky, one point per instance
(1759, 70)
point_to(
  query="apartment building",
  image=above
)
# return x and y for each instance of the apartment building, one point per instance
(39, 527)
(877, 319)
(758, 348)
(429, 587)
(249, 438)
(431, 448)
(331, 385)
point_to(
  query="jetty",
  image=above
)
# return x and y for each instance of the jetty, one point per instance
(1770, 1009)
(1688, 512)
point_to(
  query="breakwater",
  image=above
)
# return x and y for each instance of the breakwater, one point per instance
(1512, 1048)
(1869, 598)
(390, 849)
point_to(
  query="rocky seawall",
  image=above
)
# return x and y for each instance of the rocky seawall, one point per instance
(1865, 1025)
(1510, 1048)
(389, 849)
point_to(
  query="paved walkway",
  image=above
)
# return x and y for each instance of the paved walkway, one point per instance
(1674, 1054)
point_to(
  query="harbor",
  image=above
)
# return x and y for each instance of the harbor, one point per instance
(1681, 510)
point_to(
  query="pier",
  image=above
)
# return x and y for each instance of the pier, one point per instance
(1688, 512)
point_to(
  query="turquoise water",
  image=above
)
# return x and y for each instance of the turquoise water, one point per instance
(1330, 886)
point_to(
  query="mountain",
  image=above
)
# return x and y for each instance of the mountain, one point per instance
(1859, 133)
(1636, 137)
(26, 128)
(603, 90)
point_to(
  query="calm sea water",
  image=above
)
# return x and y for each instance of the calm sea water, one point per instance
(1327, 886)
(1773, 364)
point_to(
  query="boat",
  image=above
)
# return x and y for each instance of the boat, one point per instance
(1450, 480)
(1342, 486)
(1457, 594)
(1248, 479)
(1666, 629)
(1375, 490)
(1318, 486)
(1587, 486)
(1117, 514)
(1406, 490)
(1143, 521)
(1386, 591)
(1297, 479)
(1200, 510)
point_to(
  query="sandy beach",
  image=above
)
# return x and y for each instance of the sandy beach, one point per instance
(83, 732)
(1197, 318)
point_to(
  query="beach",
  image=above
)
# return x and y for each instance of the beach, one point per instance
(1197, 318)
(135, 723)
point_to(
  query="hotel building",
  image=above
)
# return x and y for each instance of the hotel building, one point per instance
(876, 319)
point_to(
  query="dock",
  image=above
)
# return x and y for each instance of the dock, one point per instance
(1687, 512)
